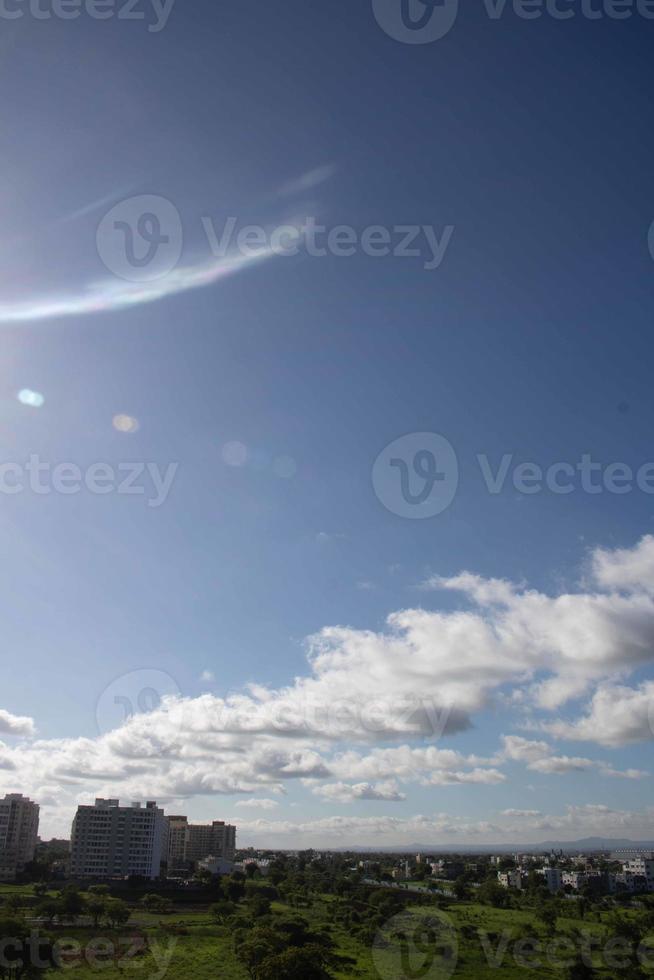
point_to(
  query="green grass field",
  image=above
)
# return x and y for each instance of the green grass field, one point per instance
(464, 940)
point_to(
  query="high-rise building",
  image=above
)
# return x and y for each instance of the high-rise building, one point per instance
(19, 826)
(189, 843)
(177, 832)
(109, 840)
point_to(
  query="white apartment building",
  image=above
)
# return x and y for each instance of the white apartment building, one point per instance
(109, 840)
(641, 867)
(576, 879)
(19, 826)
(189, 843)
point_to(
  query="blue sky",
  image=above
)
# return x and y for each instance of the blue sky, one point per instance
(270, 392)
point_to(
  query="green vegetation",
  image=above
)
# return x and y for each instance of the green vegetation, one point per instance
(313, 920)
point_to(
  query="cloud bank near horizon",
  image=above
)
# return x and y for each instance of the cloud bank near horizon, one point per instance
(367, 720)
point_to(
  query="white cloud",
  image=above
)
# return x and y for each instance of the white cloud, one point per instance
(560, 764)
(617, 715)
(16, 724)
(521, 813)
(624, 773)
(529, 827)
(366, 695)
(259, 804)
(346, 793)
(539, 757)
(522, 749)
(207, 676)
(626, 569)
(484, 776)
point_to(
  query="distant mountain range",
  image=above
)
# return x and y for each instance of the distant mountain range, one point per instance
(585, 844)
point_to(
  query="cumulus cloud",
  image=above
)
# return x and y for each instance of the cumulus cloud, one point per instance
(16, 724)
(560, 764)
(346, 793)
(539, 757)
(449, 778)
(368, 700)
(626, 569)
(617, 715)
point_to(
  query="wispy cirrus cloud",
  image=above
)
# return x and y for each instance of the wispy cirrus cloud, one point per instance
(105, 295)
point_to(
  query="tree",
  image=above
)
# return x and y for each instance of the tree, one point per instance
(96, 907)
(117, 911)
(72, 903)
(258, 905)
(491, 893)
(49, 909)
(547, 915)
(157, 904)
(222, 911)
(233, 889)
(306, 963)
(460, 888)
(259, 944)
